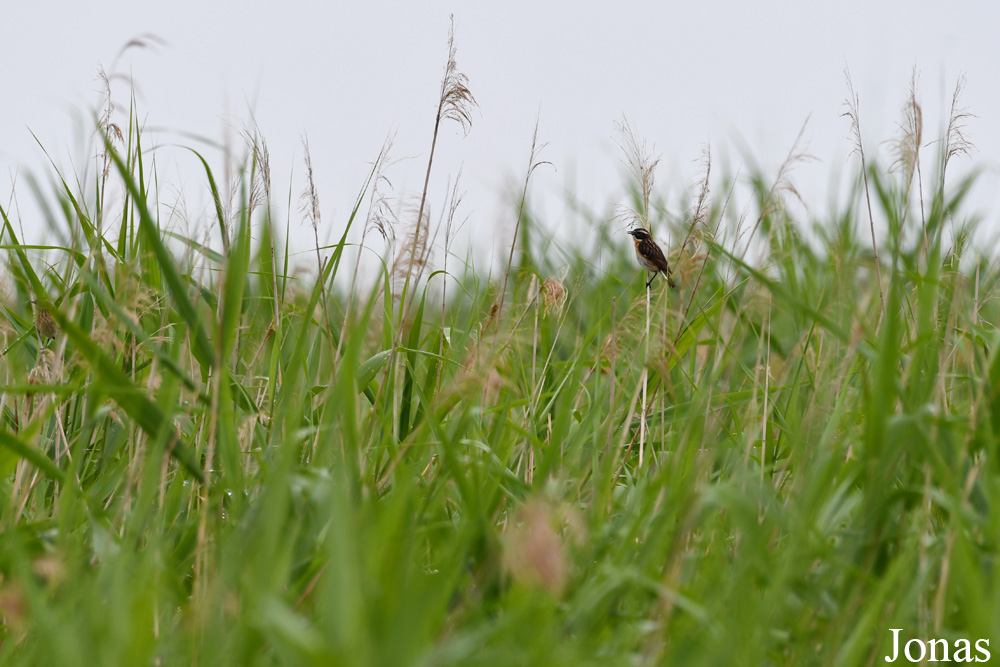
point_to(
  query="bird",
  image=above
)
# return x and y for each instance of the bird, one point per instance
(45, 324)
(650, 257)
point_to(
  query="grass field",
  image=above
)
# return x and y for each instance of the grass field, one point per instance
(213, 461)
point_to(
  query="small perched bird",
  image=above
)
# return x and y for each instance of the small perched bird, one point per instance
(650, 257)
(45, 324)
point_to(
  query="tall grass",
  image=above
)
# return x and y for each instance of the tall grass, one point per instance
(215, 462)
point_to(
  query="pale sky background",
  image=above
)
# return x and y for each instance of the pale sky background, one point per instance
(728, 73)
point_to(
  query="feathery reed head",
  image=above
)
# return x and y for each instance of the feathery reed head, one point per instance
(415, 250)
(309, 199)
(456, 101)
(380, 216)
(956, 142)
(553, 295)
(260, 188)
(853, 113)
(641, 163)
(906, 146)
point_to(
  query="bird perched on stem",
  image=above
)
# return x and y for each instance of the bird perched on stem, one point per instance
(650, 257)
(45, 324)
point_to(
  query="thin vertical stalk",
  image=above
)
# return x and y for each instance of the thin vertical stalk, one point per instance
(854, 114)
(645, 381)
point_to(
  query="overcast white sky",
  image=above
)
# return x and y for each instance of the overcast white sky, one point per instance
(685, 74)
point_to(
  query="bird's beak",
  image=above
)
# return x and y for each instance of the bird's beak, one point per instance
(631, 232)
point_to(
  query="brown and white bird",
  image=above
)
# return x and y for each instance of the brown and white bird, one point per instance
(650, 257)
(45, 324)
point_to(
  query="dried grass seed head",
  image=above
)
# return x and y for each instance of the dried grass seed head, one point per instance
(414, 251)
(381, 217)
(260, 188)
(553, 295)
(309, 199)
(905, 148)
(43, 372)
(110, 131)
(457, 101)
(641, 162)
(956, 141)
(853, 113)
